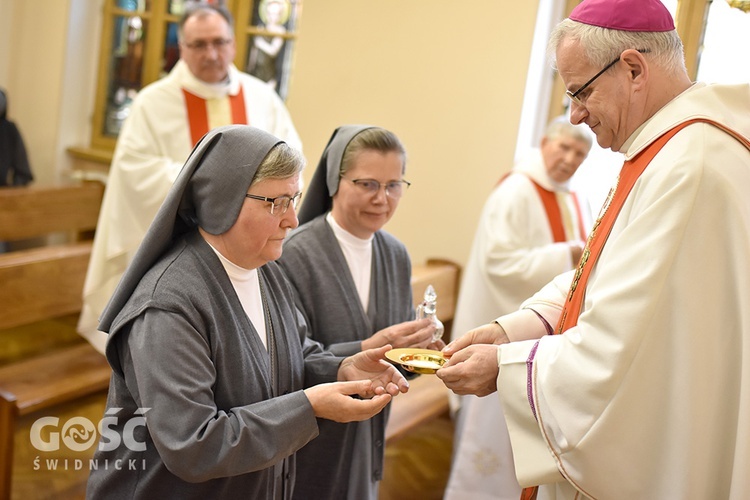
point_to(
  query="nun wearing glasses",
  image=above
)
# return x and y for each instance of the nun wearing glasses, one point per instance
(353, 284)
(214, 376)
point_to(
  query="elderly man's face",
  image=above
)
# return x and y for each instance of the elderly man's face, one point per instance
(207, 47)
(606, 105)
(562, 156)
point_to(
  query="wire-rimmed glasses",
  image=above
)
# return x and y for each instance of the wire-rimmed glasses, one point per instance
(393, 189)
(202, 45)
(575, 96)
(279, 204)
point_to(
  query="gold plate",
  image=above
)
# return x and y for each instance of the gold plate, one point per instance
(424, 361)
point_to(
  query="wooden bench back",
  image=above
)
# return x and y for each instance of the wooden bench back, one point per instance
(43, 284)
(28, 212)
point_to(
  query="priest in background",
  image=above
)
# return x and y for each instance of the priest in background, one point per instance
(532, 228)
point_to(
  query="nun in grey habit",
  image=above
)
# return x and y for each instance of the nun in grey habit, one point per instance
(346, 460)
(206, 399)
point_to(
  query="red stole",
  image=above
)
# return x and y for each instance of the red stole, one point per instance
(629, 174)
(552, 209)
(198, 113)
(631, 170)
(551, 206)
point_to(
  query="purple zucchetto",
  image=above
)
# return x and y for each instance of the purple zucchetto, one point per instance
(625, 15)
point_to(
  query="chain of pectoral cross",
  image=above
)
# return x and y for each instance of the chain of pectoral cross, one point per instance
(592, 234)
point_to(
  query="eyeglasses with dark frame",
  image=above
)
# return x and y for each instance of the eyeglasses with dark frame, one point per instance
(279, 202)
(393, 189)
(203, 45)
(574, 95)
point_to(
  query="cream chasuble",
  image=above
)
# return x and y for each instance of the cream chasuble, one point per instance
(643, 397)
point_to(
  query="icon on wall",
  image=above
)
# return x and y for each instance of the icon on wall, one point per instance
(270, 43)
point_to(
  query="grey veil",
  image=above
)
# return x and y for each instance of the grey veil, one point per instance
(325, 181)
(208, 192)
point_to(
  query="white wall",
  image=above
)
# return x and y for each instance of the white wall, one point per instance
(6, 19)
(32, 63)
(78, 81)
(447, 77)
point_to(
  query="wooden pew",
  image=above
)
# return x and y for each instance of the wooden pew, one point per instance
(44, 362)
(427, 397)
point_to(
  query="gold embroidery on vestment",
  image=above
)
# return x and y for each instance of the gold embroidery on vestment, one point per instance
(587, 249)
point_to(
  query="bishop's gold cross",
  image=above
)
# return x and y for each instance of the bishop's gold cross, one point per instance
(587, 249)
